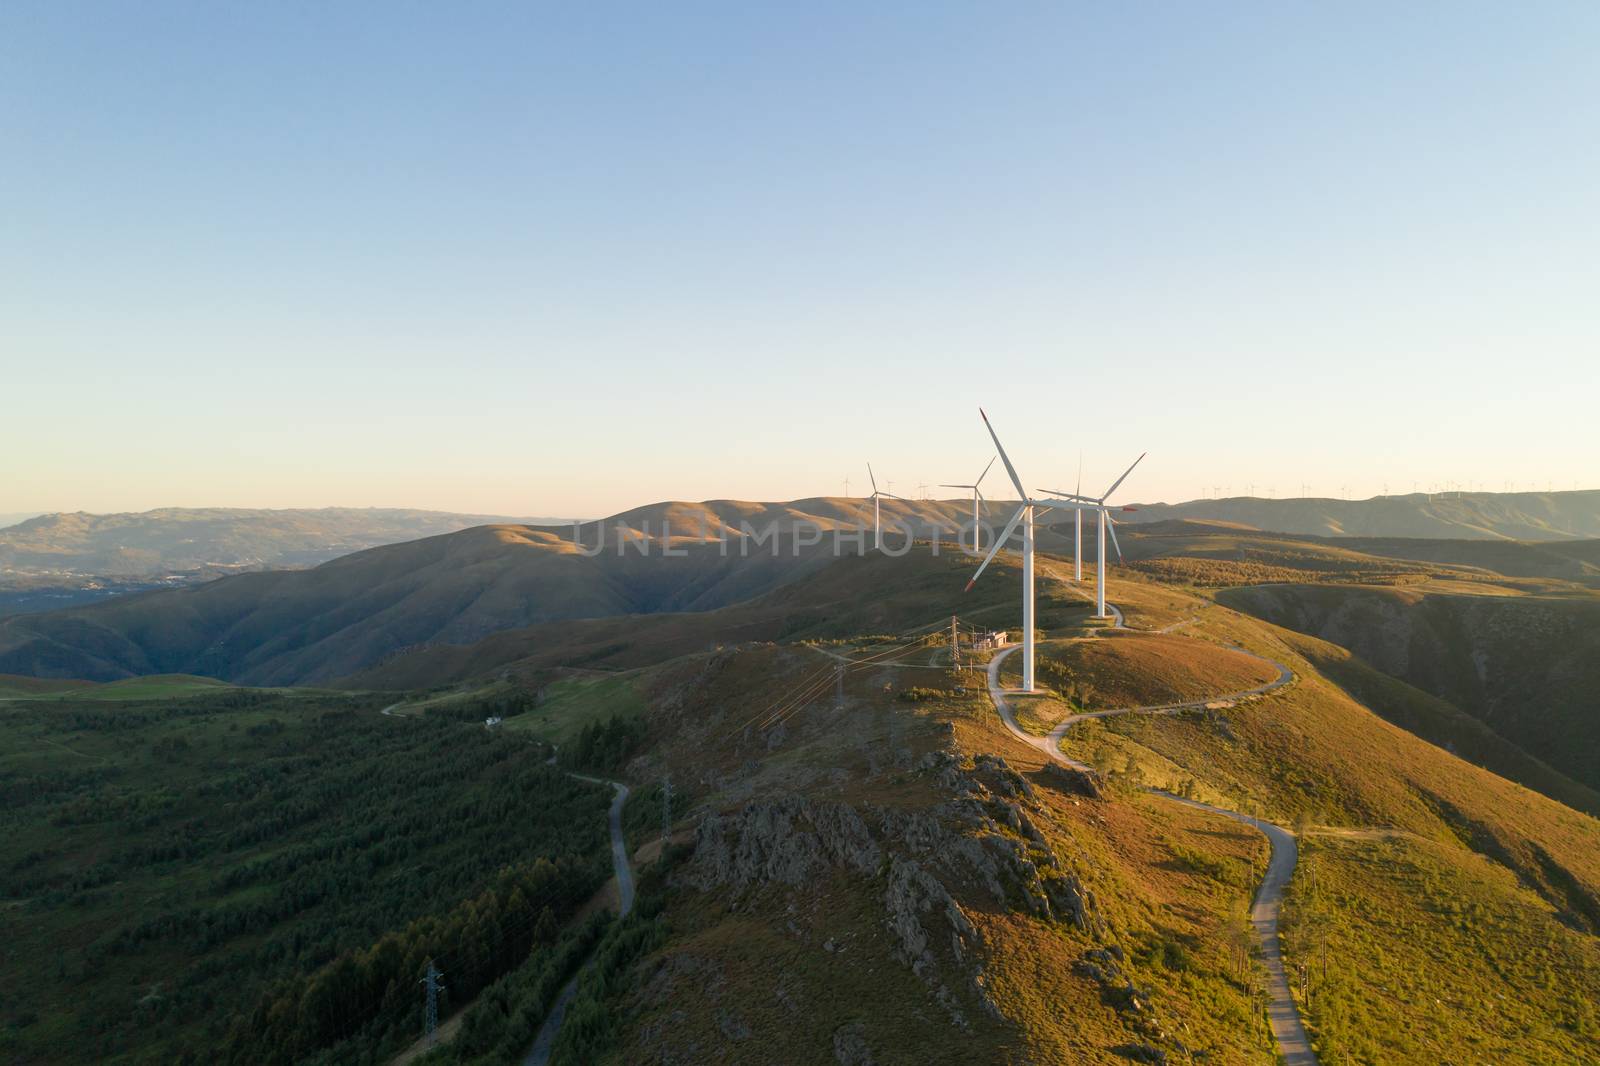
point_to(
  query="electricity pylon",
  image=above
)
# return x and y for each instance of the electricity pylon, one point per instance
(430, 1024)
(666, 810)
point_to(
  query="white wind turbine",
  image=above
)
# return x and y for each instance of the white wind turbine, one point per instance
(1024, 516)
(977, 499)
(878, 496)
(1105, 523)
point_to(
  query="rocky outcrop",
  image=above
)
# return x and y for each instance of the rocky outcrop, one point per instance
(850, 1046)
(787, 840)
(1073, 779)
(911, 895)
(984, 832)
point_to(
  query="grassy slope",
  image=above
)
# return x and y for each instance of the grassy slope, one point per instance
(1139, 670)
(568, 705)
(16, 687)
(1312, 754)
(1467, 964)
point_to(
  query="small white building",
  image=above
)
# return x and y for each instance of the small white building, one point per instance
(491, 722)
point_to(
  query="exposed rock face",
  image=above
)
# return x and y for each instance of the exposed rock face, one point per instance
(850, 1046)
(1011, 783)
(787, 840)
(1071, 779)
(913, 892)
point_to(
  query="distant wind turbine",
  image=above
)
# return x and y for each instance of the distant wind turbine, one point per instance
(1106, 522)
(878, 496)
(977, 500)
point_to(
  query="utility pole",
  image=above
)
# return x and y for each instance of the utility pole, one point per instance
(666, 810)
(955, 644)
(430, 1022)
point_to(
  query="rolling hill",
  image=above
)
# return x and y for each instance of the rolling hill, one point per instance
(176, 539)
(1459, 516)
(352, 614)
(298, 627)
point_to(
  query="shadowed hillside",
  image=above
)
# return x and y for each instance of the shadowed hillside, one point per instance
(1528, 667)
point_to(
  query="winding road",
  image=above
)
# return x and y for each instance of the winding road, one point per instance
(621, 868)
(1285, 675)
(1284, 1018)
(540, 1054)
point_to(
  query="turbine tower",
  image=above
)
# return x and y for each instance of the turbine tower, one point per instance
(878, 495)
(977, 499)
(1024, 516)
(1106, 522)
(1077, 530)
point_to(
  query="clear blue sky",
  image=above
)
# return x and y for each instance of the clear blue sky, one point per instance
(562, 259)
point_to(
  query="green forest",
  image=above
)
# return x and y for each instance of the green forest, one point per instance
(262, 877)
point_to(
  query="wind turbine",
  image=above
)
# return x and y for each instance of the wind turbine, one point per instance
(977, 498)
(1024, 515)
(877, 498)
(1105, 523)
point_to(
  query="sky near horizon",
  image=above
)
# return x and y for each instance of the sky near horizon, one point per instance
(567, 259)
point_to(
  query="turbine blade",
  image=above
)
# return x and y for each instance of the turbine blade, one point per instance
(958, 486)
(1111, 527)
(874, 480)
(995, 547)
(1079, 489)
(1067, 495)
(1123, 478)
(985, 472)
(1022, 493)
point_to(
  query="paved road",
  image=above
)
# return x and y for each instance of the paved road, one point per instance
(540, 1054)
(621, 868)
(1287, 1029)
(1285, 675)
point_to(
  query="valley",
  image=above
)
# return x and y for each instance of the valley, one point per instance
(1074, 879)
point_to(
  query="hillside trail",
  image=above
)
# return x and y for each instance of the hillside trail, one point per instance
(539, 1054)
(1287, 1028)
(622, 873)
